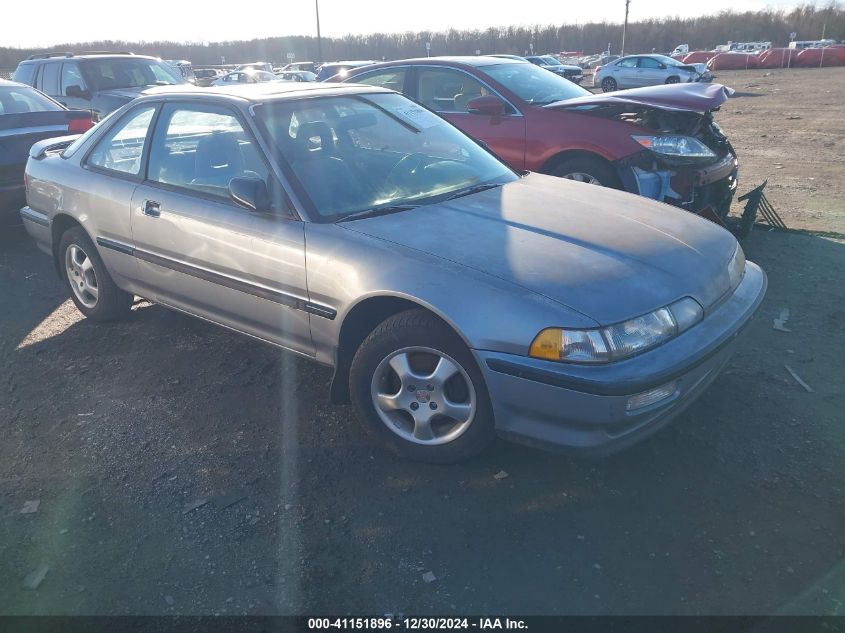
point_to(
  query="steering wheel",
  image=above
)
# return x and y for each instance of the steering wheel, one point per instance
(540, 93)
(402, 173)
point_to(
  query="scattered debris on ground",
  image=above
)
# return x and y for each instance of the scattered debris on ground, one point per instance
(797, 378)
(780, 322)
(30, 506)
(34, 578)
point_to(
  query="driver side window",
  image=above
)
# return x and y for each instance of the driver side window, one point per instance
(71, 77)
(648, 62)
(445, 90)
(202, 148)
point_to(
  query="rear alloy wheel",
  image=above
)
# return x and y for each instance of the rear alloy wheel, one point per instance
(92, 288)
(608, 84)
(417, 386)
(673, 80)
(586, 169)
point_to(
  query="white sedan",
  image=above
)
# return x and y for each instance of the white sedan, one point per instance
(244, 77)
(636, 71)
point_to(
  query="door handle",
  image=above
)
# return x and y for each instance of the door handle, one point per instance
(152, 208)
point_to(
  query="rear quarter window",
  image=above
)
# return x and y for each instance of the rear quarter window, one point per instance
(16, 100)
(24, 74)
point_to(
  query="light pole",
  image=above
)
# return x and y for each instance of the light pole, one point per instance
(624, 28)
(319, 40)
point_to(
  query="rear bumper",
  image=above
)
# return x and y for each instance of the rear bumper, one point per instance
(38, 226)
(584, 408)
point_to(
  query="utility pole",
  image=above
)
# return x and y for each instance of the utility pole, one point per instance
(624, 28)
(319, 40)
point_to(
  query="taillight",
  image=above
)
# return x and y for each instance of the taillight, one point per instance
(78, 126)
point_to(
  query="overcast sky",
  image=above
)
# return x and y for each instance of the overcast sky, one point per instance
(182, 21)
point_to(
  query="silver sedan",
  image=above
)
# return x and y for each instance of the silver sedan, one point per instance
(636, 71)
(454, 298)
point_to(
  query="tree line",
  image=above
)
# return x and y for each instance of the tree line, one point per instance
(659, 34)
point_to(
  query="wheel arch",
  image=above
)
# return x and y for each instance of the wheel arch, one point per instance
(60, 224)
(568, 154)
(361, 319)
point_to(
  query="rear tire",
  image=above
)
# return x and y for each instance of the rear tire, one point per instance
(91, 287)
(417, 387)
(586, 169)
(608, 84)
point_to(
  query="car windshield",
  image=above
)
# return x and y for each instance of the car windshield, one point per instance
(17, 100)
(127, 72)
(533, 84)
(374, 153)
(663, 59)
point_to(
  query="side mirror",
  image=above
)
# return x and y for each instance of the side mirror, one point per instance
(487, 104)
(77, 92)
(663, 66)
(250, 193)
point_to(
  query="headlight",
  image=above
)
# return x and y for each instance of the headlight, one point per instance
(676, 146)
(736, 267)
(618, 341)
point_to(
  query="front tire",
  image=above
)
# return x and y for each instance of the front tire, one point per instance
(673, 80)
(608, 84)
(588, 170)
(91, 287)
(416, 386)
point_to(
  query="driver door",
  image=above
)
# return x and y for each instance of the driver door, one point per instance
(651, 72)
(200, 252)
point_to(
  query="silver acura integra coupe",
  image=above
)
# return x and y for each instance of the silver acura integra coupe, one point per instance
(455, 298)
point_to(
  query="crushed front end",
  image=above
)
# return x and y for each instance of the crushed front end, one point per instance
(686, 160)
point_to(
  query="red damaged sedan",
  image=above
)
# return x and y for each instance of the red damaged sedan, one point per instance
(660, 142)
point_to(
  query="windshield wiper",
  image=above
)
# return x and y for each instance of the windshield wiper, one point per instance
(376, 211)
(474, 189)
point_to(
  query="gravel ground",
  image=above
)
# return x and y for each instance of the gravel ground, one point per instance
(179, 468)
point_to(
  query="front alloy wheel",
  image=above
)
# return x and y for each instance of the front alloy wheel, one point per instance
(423, 396)
(417, 386)
(580, 176)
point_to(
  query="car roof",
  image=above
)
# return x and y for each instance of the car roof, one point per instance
(5, 83)
(455, 60)
(354, 62)
(92, 55)
(263, 92)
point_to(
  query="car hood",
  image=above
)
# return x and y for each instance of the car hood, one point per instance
(607, 254)
(692, 97)
(125, 94)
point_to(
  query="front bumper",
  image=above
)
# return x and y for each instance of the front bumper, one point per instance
(583, 407)
(692, 188)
